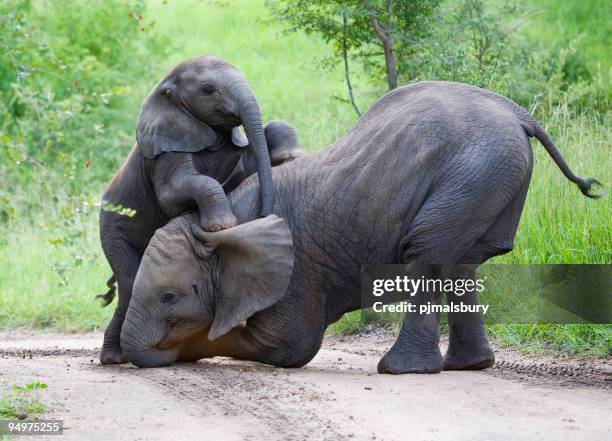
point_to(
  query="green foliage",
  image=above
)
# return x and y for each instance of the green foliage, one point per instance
(117, 208)
(555, 23)
(22, 401)
(69, 94)
(370, 26)
(482, 42)
(473, 44)
(64, 75)
(479, 42)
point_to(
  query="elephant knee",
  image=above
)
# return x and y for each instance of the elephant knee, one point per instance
(291, 352)
(302, 350)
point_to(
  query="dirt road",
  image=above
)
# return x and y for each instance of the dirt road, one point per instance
(337, 396)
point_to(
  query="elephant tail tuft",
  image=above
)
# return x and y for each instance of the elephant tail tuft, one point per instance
(585, 187)
(108, 297)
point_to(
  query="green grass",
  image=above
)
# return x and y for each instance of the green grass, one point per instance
(44, 286)
(51, 264)
(590, 340)
(22, 401)
(558, 224)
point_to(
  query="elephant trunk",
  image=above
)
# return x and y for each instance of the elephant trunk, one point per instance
(250, 116)
(138, 342)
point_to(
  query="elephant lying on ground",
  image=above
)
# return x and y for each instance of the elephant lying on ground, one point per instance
(435, 172)
(189, 147)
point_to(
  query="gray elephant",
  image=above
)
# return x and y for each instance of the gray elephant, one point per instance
(433, 173)
(188, 148)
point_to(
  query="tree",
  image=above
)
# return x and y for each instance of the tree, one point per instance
(384, 35)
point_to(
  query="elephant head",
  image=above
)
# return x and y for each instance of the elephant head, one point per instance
(193, 105)
(190, 281)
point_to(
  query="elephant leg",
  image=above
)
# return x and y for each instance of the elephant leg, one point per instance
(178, 185)
(468, 348)
(124, 262)
(446, 226)
(246, 343)
(416, 349)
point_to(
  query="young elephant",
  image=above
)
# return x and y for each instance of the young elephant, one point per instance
(188, 144)
(434, 173)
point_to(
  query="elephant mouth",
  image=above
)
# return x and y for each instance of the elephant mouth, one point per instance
(230, 119)
(177, 333)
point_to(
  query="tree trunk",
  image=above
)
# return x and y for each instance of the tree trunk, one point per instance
(346, 65)
(390, 63)
(386, 39)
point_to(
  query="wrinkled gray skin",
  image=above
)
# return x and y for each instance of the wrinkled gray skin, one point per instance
(189, 149)
(435, 172)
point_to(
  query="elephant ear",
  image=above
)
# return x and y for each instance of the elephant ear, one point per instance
(165, 125)
(238, 139)
(256, 262)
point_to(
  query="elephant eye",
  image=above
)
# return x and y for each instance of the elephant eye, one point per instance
(208, 89)
(168, 297)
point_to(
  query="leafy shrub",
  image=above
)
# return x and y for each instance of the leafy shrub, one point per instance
(22, 401)
(65, 77)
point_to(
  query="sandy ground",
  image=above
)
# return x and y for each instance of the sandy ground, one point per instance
(337, 396)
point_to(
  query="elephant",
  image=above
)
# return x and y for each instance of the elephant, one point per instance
(188, 146)
(434, 173)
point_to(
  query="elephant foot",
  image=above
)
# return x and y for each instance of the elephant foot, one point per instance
(469, 359)
(219, 223)
(112, 356)
(397, 362)
(468, 349)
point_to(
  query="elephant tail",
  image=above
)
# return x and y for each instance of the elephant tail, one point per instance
(107, 298)
(533, 129)
(584, 184)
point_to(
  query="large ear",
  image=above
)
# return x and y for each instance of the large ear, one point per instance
(165, 125)
(256, 261)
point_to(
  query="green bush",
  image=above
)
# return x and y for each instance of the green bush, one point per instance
(65, 78)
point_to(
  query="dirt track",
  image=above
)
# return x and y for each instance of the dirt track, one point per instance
(337, 396)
